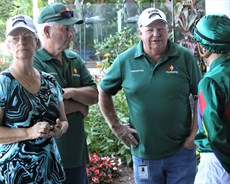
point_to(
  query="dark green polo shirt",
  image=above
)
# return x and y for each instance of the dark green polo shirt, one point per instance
(214, 111)
(157, 96)
(72, 73)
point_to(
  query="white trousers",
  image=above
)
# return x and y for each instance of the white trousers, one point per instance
(210, 171)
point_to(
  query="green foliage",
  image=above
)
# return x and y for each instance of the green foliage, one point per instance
(5, 7)
(100, 138)
(117, 43)
(22, 7)
(5, 61)
(11, 8)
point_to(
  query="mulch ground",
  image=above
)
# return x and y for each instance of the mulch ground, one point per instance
(126, 176)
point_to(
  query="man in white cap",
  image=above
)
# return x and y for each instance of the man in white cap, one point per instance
(157, 77)
(213, 138)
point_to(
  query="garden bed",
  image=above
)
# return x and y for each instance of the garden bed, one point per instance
(126, 176)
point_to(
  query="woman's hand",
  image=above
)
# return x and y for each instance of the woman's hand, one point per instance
(40, 130)
(59, 128)
(45, 130)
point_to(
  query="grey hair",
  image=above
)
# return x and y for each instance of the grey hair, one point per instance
(40, 28)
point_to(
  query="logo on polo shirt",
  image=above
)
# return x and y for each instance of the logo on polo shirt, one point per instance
(171, 69)
(74, 72)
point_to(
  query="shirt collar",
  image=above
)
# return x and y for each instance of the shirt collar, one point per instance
(47, 56)
(220, 60)
(170, 52)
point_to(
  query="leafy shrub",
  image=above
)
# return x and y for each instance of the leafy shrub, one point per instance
(117, 43)
(100, 138)
(5, 61)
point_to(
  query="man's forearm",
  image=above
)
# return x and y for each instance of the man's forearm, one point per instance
(73, 106)
(107, 109)
(195, 123)
(84, 95)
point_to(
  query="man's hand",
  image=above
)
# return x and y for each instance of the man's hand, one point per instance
(189, 143)
(84, 110)
(67, 93)
(125, 133)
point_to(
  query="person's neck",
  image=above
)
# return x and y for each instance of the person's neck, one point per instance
(155, 55)
(22, 60)
(27, 76)
(27, 69)
(54, 53)
(212, 58)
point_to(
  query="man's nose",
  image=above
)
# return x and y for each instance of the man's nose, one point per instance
(22, 39)
(71, 32)
(155, 32)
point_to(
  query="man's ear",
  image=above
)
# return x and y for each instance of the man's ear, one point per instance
(38, 44)
(46, 31)
(203, 52)
(139, 32)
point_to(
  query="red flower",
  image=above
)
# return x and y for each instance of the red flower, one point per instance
(95, 179)
(101, 169)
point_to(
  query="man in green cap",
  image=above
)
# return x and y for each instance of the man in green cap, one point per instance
(56, 29)
(213, 138)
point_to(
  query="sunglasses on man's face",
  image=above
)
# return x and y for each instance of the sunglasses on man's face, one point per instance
(63, 14)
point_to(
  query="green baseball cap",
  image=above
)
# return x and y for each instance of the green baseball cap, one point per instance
(58, 12)
(212, 33)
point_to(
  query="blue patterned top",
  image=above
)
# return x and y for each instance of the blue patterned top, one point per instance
(32, 161)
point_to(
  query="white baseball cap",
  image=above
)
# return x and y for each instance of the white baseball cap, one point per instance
(20, 21)
(150, 15)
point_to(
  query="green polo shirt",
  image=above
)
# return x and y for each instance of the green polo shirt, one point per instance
(157, 96)
(72, 73)
(214, 111)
